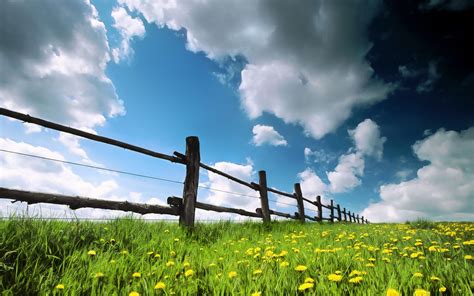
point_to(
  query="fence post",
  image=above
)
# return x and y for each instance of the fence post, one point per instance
(339, 213)
(191, 182)
(358, 221)
(354, 218)
(332, 211)
(362, 220)
(262, 181)
(350, 218)
(345, 214)
(320, 208)
(299, 199)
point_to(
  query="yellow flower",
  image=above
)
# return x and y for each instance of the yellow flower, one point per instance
(256, 294)
(60, 287)
(468, 257)
(133, 293)
(284, 264)
(160, 286)
(305, 286)
(356, 280)
(258, 271)
(418, 275)
(308, 280)
(435, 278)
(355, 272)
(157, 256)
(392, 292)
(113, 261)
(136, 275)
(421, 292)
(91, 253)
(301, 268)
(335, 277)
(99, 275)
(212, 265)
(442, 289)
(169, 263)
(370, 265)
(232, 274)
(124, 252)
(189, 273)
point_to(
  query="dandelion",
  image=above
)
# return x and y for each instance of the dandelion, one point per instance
(435, 279)
(59, 287)
(418, 275)
(284, 264)
(112, 261)
(257, 272)
(256, 294)
(392, 292)
(232, 274)
(99, 275)
(136, 275)
(157, 256)
(355, 272)
(189, 273)
(308, 280)
(169, 263)
(212, 265)
(150, 253)
(301, 268)
(468, 257)
(421, 292)
(124, 252)
(186, 264)
(305, 286)
(442, 289)
(160, 286)
(91, 253)
(370, 265)
(335, 277)
(356, 280)
(133, 293)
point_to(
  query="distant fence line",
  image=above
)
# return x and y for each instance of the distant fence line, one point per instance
(184, 206)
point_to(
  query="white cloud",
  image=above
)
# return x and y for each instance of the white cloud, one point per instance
(403, 174)
(53, 62)
(347, 173)
(311, 72)
(318, 156)
(442, 189)
(129, 28)
(264, 134)
(432, 76)
(367, 139)
(407, 73)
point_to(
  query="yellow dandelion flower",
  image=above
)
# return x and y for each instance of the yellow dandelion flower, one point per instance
(133, 293)
(59, 287)
(301, 268)
(335, 277)
(468, 257)
(256, 272)
(305, 286)
(372, 259)
(435, 279)
(99, 275)
(124, 252)
(392, 292)
(150, 253)
(284, 264)
(157, 256)
(256, 294)
(356, 280)
(189, 273)
(232, 274)
(91, 253)
(160, 286)
(418, 275)
(136, 275)
(173, 254)
(421, 292)
(442, 289)
(112, 261)
(370, 265)
(212, 265)
(169, 263)
(309, 280)
(355, 272)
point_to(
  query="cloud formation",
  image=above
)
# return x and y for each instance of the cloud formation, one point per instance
(129, 28)
(306, 63)
(442, 190)
(265, 134)
(53, 62)
(367, 139)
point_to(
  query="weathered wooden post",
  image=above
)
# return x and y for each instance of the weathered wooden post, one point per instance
(191, 182)
(339, 213)
(357, 217)
(350, 218)
(299, 199)
(262, 182)
(345, 215)
(332, 211)
(320, 208)
(362, 220)
(354, 218)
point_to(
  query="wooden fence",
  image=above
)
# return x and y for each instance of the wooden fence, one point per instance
(184, 206)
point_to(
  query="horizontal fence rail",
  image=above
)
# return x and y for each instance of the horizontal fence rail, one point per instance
(184, 206)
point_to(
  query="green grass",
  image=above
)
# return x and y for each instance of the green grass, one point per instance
(36, 256)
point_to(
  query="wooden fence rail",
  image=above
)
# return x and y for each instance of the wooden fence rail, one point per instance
(184, 207)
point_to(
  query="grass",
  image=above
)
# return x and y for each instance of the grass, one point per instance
(41, 257)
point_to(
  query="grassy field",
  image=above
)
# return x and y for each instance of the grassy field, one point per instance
(283, 258)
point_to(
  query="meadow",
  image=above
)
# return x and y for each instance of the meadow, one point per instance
(134, 257)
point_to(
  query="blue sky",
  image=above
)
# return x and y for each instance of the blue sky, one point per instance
(367, 104)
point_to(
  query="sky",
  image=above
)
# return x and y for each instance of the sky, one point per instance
(368, 103)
